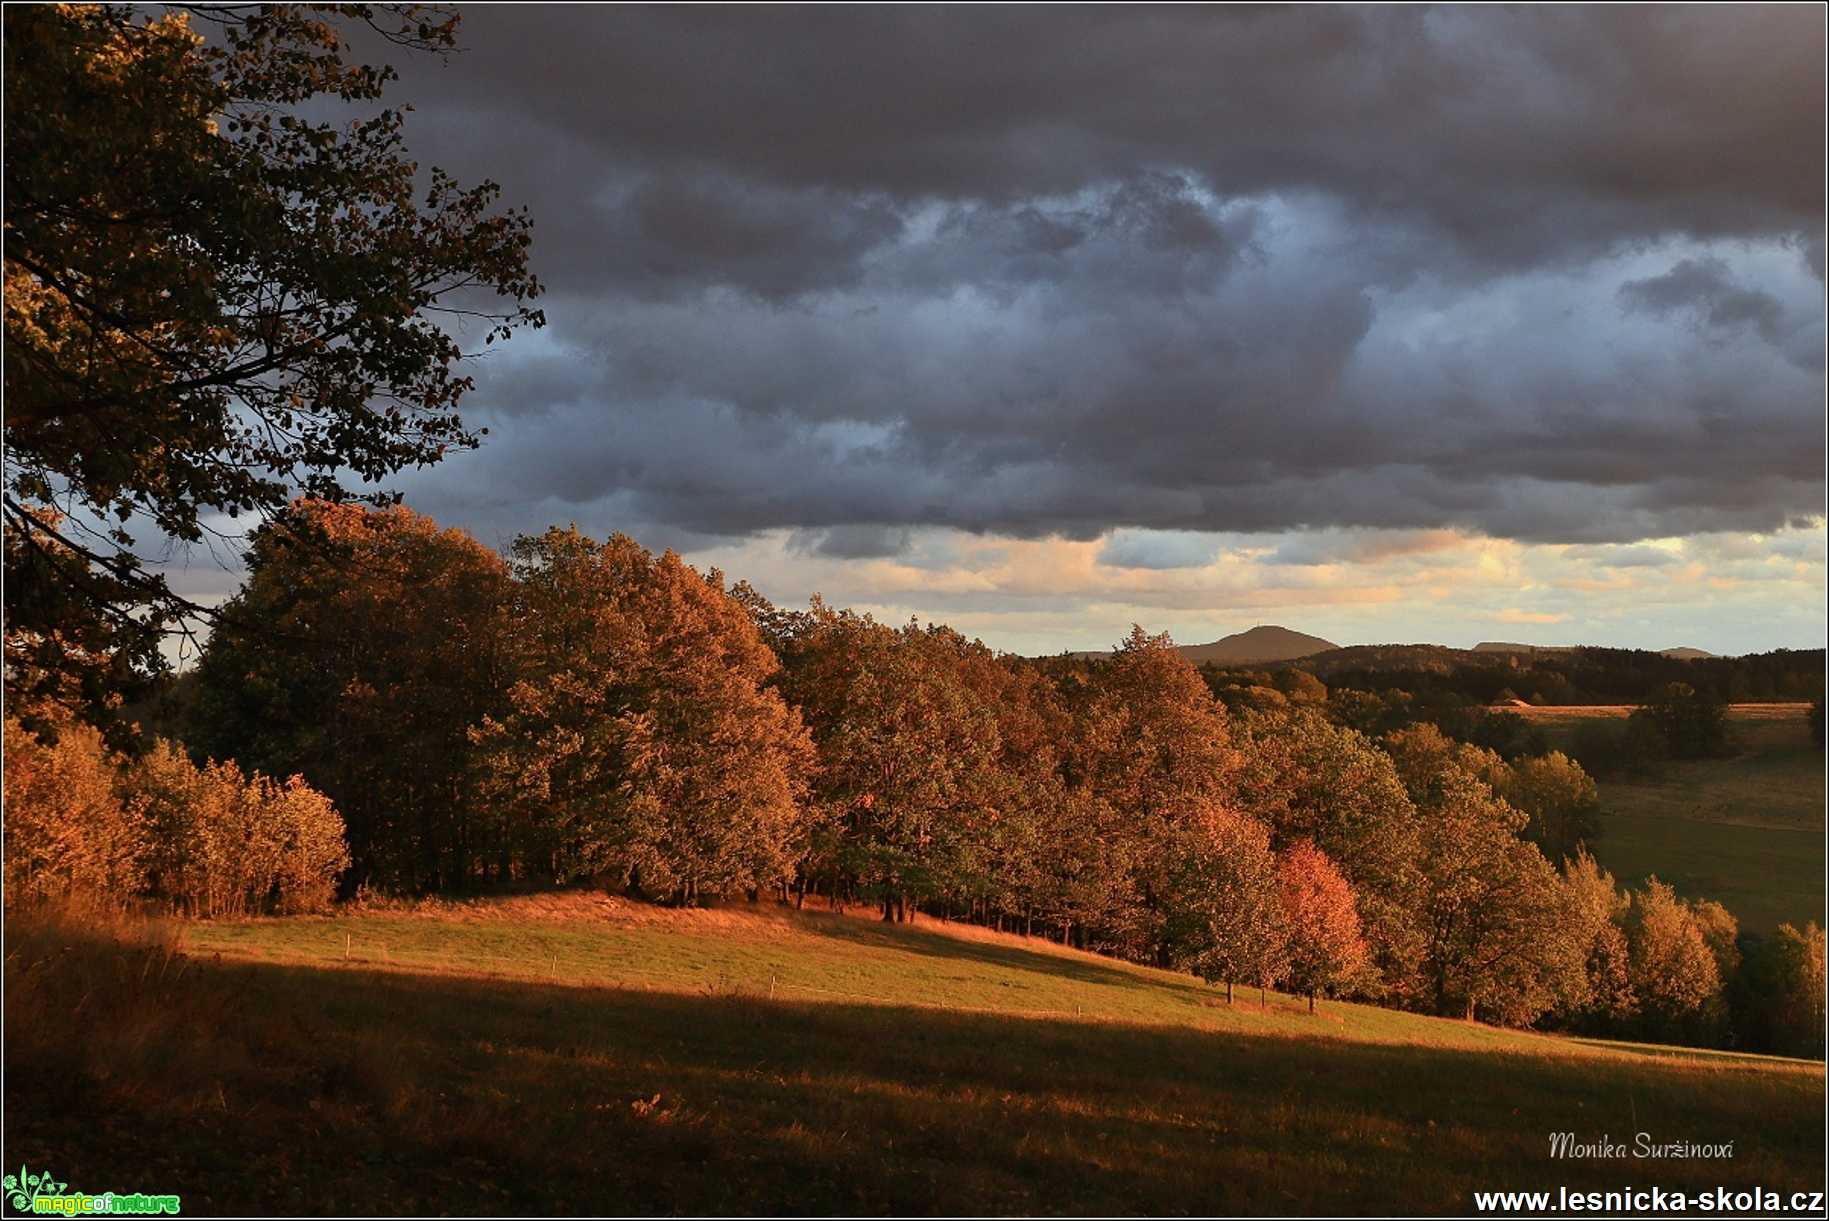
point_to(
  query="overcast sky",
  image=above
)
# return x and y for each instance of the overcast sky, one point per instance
(1383, 324)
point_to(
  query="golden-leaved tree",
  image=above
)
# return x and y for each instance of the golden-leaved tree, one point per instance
(1152, 743)
(640, 741)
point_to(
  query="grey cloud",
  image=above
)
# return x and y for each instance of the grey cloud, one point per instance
(1157, 550)
(1706, 289)
(1054, 272)
(850, 542)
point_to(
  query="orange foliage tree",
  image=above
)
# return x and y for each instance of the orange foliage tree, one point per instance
(1325, 948)
(1153, 744)
(640, 741)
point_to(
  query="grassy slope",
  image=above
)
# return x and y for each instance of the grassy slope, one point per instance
(258, 1069)
(1746, 831)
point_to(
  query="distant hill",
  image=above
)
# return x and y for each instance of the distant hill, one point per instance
(1261, 644)
(1685, 653)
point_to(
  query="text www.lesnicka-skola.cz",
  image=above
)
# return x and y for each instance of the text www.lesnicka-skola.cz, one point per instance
(1722, 1200)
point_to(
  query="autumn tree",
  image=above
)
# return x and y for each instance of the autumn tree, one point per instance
(1311, 780)
(363, 646)
(1222, 915)
(1028, 812)
(85, 825)
(1152, 742)
(908, 783)
(1325, 950)
(1559, 800)
(640, 743)
(1720, 932)
(215, 301)
(1493, 913)
(1674, 972)
(1425, 758)
(1300, 686)
(1603, 1001)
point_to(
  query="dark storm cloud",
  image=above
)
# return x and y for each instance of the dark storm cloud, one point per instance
(1551, 274)
(850, 542)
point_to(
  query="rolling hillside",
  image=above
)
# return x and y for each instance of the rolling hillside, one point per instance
(572, 1053)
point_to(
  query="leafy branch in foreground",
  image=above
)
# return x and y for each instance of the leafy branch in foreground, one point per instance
(215, 303)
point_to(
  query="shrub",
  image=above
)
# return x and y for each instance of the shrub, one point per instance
(225, 844)
(1607, 747)
(1779, 994)
(69, 835)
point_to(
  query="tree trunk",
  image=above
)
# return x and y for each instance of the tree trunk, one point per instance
(1311, 1002)
(1228, 992)
(800, 896)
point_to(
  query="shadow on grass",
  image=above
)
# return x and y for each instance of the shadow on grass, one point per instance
(929, 940)
(1697, 1055)
(251, 1087)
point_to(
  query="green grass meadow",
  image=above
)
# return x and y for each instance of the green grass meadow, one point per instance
(571, 1053)
(1745, 830)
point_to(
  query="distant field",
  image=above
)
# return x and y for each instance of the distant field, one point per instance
(571, 1054)
(1746, 831)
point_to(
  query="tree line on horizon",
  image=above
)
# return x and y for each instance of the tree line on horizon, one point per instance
(585, 712)
(1442, 678)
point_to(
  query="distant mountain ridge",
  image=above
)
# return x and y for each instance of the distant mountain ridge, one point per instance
(1268, 644)
(1682, 653)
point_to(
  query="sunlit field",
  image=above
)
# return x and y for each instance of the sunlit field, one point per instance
(1746, 830)
(578, 1054)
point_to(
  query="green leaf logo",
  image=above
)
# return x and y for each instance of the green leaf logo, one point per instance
(25, 1187)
